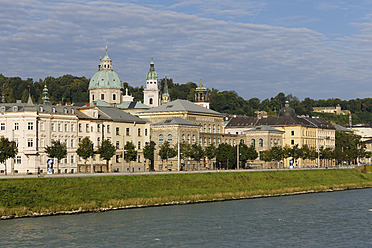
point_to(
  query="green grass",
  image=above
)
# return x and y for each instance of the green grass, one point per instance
(20, 197)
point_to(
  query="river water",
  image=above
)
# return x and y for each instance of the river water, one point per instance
(334, 219)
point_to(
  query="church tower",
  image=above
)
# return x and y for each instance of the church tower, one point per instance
(201, 97)
(105, 85)
(165, 97)
(151, 92)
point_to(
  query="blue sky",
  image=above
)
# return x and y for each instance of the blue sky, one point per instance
(308, 48)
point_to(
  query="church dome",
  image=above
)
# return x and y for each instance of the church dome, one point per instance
(287, 111)
(105, 79)
(152, 75)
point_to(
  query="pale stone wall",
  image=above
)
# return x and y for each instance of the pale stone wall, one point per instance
(108, 93)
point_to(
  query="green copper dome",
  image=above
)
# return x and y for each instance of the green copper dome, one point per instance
(105, 79)
(152, 73)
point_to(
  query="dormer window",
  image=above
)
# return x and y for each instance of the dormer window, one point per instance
(41, 109)
(72, 111)
(65, 111)
(2, 109)
(53, 110)
(15, 108)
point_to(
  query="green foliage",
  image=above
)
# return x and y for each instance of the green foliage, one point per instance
(349, 147)
(85, 149)
(8, 149)
(106, 150)
(166, 151)
(57, 150)
(197, 152)
(211, 151)
(149, 150)
(185, 150)
(226, 155)
(130, 152)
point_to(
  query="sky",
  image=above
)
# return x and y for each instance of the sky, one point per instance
(307, 48)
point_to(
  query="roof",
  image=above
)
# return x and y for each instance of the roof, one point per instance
(41, 108)
(152, 73)
(263, 128)
(247, 121)
(181, 106)
(100, 103)
(116, 114)
(132, 105)
(176, 121)
(342, 129)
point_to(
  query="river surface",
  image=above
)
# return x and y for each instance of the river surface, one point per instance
(334, 219)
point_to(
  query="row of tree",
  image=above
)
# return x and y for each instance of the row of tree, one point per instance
(69, 88)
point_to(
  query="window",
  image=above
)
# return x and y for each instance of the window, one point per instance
(98, 128)
(117, 159)
(151, 101)
(139, 160)
(72, 111)
(260, 143)
(72, 142)
(170, 138)
(65, 110)
(139, 131)
(193, 139)
(127, 131)
(79, 127)
(117, 131)
(66, 127)
(253, 142)
(16, 126)
(139, 144)
(117, 145)
(2, 109)
(72, 128)
(209, 141)
(108, 128)
(102, 97)
(15, 109)
(53, 127)
(92, 97)
(30, 142)
(145, 131)
(16, 142)
(53, 110)
(98, 141)
(205, 128)
(114, 97)
(183, 138)
(209, 128)
(292, 133)
(218, 129)
(161, 139)
(87, 128)
(18, 159)
(59, 127)
(2, 126)
(30, 126)
(72, 159)
(292, 142)
(271, 142)
(200, 141)
(214, 128)
(188, 138)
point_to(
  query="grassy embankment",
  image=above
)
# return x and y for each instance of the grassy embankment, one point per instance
(20, 197)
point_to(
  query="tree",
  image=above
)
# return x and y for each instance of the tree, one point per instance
(85, 149)
(225, 155)
(308, 153)
(294, 152)
(185, 151)
(166, 151)
(106, 151)
(57, 150)
(210, 152)
(130, 152)
(349, 147)
(197, 153)
(148, 153)
(8, 149)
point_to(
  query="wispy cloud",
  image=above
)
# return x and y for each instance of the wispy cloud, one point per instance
(44, 38)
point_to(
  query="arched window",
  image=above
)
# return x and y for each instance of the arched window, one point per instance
(98, 141)
(183, 138)
(41, 109)
(188, 138)
(170, 138)
(161, 139)
(260, 143)
(241, 141)
(2, 109)
(209, 128)
(205, 128)
(214, 128)
(114, 97)
(151, 101)
(92, 97)
(193, 139)
(72, 111)
(53, 110)
(271, 142)
(218, 129)
(65, 111)
(205, 141)
(253, 142)
(15, 109)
